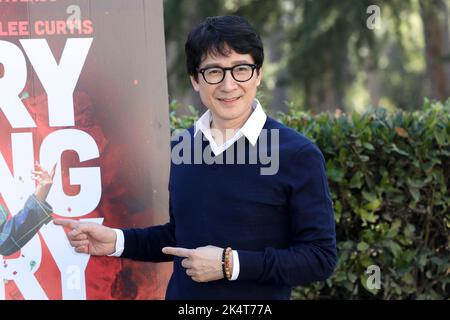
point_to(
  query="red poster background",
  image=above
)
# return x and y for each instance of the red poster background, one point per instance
(121, 101)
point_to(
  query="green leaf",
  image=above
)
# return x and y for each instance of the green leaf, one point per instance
(364, 158)
(422, 260)
(352, 277)
(335, 174)
(409, 231)
(415, 194)
(340, 276)
(395, 227)
(409, 279)
(415, 183)
(347, 245)
(395, 248)
(398, 199)
(441, 137)
(373, 205)
(366, 261)
(437, 261)
(398, 290)
(398, 151)
(357, 180)
(368, 146)
(355, 118)
(367, 216)
(362, 246)
(368, 196)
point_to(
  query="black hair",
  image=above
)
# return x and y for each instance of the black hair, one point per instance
(215, 35)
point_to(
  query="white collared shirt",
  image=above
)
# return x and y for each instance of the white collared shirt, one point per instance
(251, 130)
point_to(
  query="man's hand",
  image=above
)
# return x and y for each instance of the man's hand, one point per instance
(202, 264)
(89, 237)
(44, 181)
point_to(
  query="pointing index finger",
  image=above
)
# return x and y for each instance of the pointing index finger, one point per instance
(72, 224)
(179, 252)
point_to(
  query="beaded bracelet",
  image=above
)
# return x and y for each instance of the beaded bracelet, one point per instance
(226, 268)
(223, 263)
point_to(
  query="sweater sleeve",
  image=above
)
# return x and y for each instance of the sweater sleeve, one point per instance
(146, 244)
(17, 231)
(311, 255)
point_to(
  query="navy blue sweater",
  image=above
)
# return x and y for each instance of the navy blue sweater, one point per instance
(282, 225)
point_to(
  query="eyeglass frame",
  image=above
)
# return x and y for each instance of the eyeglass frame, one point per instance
(254, 66)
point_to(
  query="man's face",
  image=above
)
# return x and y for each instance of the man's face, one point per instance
(229, 100)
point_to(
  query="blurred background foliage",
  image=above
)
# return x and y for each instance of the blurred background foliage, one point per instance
(321, 55)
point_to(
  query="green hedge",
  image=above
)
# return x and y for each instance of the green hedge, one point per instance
(389, 179)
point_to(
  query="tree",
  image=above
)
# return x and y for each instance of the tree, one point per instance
(321, 44)
(435, 23)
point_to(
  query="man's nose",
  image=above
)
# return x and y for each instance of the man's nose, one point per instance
(228, 82)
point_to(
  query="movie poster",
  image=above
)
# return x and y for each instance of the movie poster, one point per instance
(82, 86)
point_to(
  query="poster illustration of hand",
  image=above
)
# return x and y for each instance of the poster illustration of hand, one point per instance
(84, 134)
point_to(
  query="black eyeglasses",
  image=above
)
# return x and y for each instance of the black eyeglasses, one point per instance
(240, 73)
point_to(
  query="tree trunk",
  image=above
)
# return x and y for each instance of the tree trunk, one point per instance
(373, 79)
(279, 95)
(435, 23)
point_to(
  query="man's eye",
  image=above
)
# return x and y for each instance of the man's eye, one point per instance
(242, 69)
(214, 72)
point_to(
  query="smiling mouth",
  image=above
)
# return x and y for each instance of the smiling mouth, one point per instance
(229, 99)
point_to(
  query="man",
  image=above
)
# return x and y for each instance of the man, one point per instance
(17, 231)
(279, 226)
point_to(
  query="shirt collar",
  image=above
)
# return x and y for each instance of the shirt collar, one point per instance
(251, 128)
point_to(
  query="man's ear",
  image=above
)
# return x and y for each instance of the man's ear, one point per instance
(195, 83)
(259, 76)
